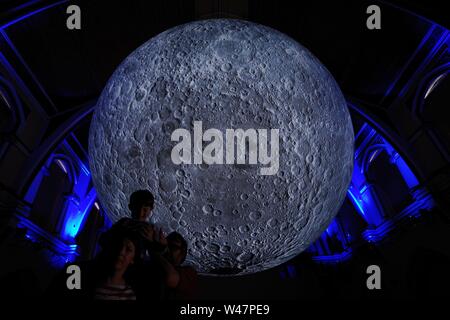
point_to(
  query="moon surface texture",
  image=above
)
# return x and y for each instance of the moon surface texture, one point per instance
(229, 74)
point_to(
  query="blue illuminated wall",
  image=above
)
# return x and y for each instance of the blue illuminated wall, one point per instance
(363, 194)
(369, 145)
(333, 246)
(78, 203)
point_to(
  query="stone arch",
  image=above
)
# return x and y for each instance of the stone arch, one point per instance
(428, 81)
(71, 170)
(54, 190)
(368, 153)
(430, 107)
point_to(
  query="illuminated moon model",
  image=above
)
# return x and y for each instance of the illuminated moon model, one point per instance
(228, 74)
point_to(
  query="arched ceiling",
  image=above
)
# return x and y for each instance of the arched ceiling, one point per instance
(65, 69)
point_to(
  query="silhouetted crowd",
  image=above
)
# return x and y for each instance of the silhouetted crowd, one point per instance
(136, 262)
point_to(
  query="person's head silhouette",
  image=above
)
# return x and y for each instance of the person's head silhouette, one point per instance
(141, 204)
(177, 248)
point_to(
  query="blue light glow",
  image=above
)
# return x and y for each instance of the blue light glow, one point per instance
(335, 258)
(73, 223)
(356, 202)
(360, 196)
(406, 172)
(32, 14)
(332, 228)
(76, 214)
(291, 271)
(33, 189)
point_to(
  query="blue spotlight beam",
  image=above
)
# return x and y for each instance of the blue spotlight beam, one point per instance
(30, 14)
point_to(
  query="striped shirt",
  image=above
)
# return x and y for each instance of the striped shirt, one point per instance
(114, 292)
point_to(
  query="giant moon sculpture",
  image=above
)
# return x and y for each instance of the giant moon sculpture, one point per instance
(227, 74)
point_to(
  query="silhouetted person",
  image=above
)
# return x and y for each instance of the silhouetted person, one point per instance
(151, 239)
(181, 280)
(114, 274)
(145, 237)
(141, 205)
(118, 281)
